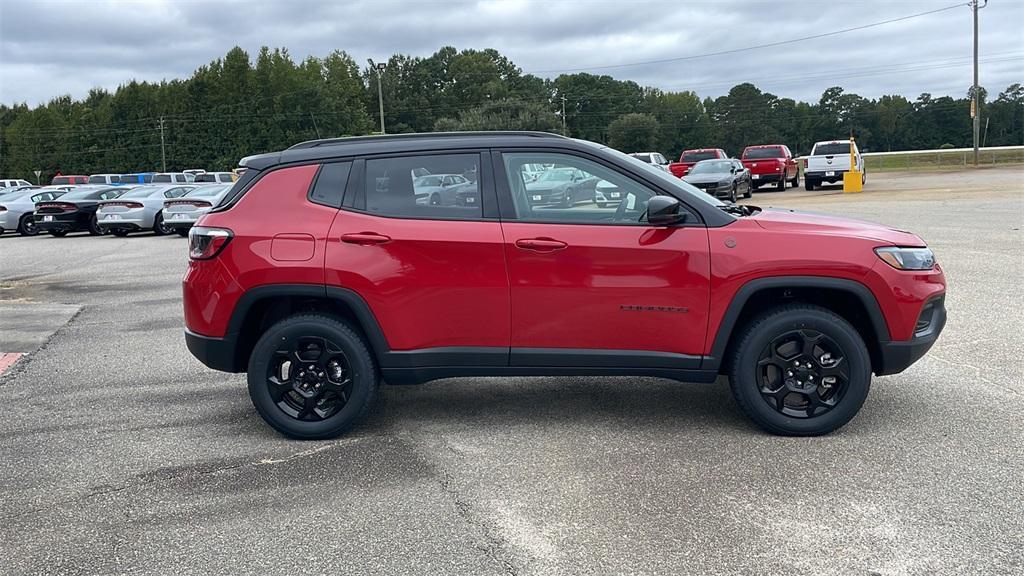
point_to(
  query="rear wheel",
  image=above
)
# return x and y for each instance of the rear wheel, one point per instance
(159, 227)
(311, 377)
(800, 370)
(796, 179)
(781, 184)
(435, 199)
(808, 185)
(27, 226)
(749, 191)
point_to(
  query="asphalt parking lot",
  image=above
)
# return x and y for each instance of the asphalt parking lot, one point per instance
(122, 454)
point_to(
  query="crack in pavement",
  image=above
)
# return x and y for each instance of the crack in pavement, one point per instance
(155, 478)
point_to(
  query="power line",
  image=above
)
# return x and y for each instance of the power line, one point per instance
(748, 48)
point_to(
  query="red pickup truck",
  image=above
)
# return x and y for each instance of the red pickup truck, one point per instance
(690, 157)
(771, 163)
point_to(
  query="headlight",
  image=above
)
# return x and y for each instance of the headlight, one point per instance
(724, 183)
(907, 258)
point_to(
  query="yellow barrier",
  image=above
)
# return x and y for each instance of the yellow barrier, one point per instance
(852, 181)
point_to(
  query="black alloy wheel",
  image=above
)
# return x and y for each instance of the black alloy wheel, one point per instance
(27, 226)
(802, 374)
(160, 228)
(311, 376)
(94, 227)
(800, 370)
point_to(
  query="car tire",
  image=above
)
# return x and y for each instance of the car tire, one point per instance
(57, 233)
(749, 192)
(781, 184)
(567, 198)
(94, 227)
(601, 204)
(808, 185)
(183, 232)
(159, 228)
(334, 338)
(732, 194)
(435, 199)
(796, 179)
(784, 400)
(27, 226)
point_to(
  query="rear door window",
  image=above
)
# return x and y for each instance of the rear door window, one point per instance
(407, 187)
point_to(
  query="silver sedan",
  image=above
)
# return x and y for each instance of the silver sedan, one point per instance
(182, 213)
(139, 210)
(16, 209)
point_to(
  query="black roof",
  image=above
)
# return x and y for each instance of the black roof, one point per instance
(313, 150)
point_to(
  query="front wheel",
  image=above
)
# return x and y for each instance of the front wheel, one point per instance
(800, 370)
(749, 192)
(732, 194)
(160, 228)
(311, 377)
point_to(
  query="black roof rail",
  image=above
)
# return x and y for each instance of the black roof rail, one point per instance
(417, 135)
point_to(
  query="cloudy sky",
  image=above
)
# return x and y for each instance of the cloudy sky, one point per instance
(52, 48)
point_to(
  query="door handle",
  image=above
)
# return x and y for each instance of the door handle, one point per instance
(541, 244)
(365, 238)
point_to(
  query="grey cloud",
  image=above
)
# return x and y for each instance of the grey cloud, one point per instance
(51, 48)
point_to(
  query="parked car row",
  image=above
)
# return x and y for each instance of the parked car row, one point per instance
(102, 209)
(775, 164)
(183, 177)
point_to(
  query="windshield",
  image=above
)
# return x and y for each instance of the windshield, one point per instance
(82, 193)
(207, 191)
(556, 176)
(758, 153)
(670, 182)
(711, 167)
(698, 156)
(832, 149)
(141, 192)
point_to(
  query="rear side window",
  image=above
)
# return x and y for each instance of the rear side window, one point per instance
(330, 184)
(409, 187)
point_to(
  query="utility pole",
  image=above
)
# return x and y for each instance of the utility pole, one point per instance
(315, 125)
(163, 150)
(563, 116)
(380, 92)
(976, 100)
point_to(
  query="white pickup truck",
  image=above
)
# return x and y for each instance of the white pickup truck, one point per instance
(828, 161)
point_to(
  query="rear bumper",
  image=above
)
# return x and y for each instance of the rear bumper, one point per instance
(69, 222)
(898, 356)
(837, 175)
(216, 353)
(758, 179)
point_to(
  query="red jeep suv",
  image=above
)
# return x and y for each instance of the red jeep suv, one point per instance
(338, 263)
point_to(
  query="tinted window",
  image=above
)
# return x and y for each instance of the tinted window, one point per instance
(109, 194)
(205, 178)
(575, 190)
(330, 184)
(833, 149)
(60, 180)
(97, 179)
(393, 187)
(755, 153)
(698, 156)
(161, 178)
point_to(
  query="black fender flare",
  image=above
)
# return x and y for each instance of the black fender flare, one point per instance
(732, 313)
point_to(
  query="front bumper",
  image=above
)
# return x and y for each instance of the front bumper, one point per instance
(215, 353)
(895, 357)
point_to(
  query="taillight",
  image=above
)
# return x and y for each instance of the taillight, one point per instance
(805, 163)
(205, 242)
(124, 204)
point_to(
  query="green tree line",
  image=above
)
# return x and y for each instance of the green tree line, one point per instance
(236, 106)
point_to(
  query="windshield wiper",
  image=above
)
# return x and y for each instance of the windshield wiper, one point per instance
(740, 209)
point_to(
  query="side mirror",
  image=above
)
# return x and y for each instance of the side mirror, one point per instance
(665, 211)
